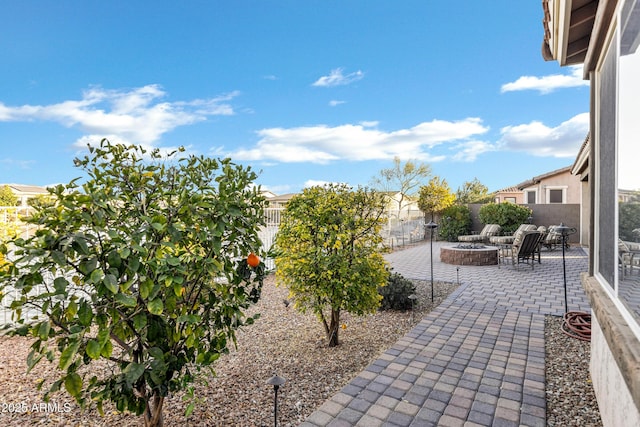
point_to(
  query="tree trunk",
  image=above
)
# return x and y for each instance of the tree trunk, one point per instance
(153, 414)
(334, 327)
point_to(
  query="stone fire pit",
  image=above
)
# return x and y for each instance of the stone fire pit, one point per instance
(469, 254)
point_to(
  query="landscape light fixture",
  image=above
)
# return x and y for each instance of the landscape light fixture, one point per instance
(564, 231)
(431, 226)
(412, 298)
(276, 382)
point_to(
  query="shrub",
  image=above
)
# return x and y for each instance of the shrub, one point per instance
(395, 295)
(507, 215)
(456, 221)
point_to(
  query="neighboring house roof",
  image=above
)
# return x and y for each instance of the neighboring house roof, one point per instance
(283, 198)
(537, 179)
(509, 190)
(20, 188)
(581, 165)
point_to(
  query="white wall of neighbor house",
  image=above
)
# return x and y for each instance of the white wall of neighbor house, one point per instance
(562, 188)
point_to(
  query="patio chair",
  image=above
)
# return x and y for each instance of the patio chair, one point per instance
(506, 244)
(527, 248)
(553, 239)
(488, 231)
(628, 256)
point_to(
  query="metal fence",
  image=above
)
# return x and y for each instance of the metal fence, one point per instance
(399, 230)
(11, 222)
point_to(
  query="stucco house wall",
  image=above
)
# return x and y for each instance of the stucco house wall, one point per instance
(611, 63)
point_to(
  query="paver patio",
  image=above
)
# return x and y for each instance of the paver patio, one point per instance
(476, 360)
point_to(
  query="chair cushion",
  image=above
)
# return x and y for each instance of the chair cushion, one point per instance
(491, 230)
(471, 238)
(520, 232)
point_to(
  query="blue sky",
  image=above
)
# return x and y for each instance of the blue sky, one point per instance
(303, 91)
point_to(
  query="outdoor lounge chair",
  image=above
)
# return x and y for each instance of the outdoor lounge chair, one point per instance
(517, 235)
(488, 231)
(527, 249)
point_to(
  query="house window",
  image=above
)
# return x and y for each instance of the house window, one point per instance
(628, 152)
(556, 195)
(510, 199)
(530, 197)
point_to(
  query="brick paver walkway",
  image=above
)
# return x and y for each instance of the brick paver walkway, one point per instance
(476, 360)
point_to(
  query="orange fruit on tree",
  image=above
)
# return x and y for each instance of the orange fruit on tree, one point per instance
(253, 260)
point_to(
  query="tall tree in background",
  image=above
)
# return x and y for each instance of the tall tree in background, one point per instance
(143, 268)
(7, 198)
(435, 196)
(328, 253)
(473, 192)
(403, 178)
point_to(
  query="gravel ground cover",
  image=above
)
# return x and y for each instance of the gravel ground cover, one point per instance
(285, 342)
(570, 397)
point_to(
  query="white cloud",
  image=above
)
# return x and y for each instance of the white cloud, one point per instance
(468, 151)
(548, 84)
(538, 139)
(335, 102)
(9, 162)
(337, 78)
(324, 144)
(133, 116)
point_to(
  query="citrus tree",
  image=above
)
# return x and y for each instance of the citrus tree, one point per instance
(328, 253)
(144, 266)
(7, 198)
(435, 196)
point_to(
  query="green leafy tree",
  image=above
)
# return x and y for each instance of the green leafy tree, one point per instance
(455, 221)
(435, 196)
(148, 271)
(328, 253)
(7, 198)
(402, 178)
(506, 214)
(40, 201)
(473, 192)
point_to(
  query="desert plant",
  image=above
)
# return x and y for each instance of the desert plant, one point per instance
(395, 295)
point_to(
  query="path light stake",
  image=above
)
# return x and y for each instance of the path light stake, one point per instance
(276, 382)
(564, 231)
(431, 226)
(413, 298)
